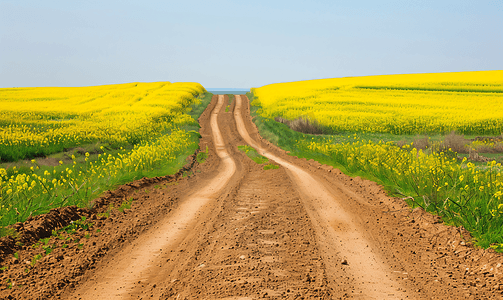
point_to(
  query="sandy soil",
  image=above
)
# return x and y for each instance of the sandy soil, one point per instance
(232, 230)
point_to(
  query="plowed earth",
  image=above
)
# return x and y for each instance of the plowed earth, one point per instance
(231, 230)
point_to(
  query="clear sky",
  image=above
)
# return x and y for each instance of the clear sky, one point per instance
(242, 44)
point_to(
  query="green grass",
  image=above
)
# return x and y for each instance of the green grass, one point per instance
(202, 156)
(257, 158)
(498, 157)
(196, 110)
(231, 97)
(271, 167)
(253, 154)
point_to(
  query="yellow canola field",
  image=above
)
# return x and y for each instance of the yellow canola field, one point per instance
(37, 121)
(466, 102)
(40, 121)
(462, 193)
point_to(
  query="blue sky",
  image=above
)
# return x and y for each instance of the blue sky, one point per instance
(242, 44)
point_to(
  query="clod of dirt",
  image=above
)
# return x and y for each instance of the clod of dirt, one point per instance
(41, 226)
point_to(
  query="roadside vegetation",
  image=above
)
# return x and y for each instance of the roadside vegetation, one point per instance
(432, 139)
(257, 158)
(65, 146)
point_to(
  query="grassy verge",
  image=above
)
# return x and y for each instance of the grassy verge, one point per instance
(253, 154)
(461, 192)
(30, 188)
(197, 109)
(257, 158)
(231, 97)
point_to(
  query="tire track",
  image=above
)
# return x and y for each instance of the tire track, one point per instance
(260, 244)
(342, 242)
(138, 260)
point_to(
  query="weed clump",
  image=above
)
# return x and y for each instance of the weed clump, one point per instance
(271, 167)
(202, 156)
(455, 142)
(253, 154)
(302, 124)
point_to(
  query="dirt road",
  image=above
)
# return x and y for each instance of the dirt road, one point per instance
(232, 230)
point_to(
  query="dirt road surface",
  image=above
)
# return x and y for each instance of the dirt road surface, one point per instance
(232, 230)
